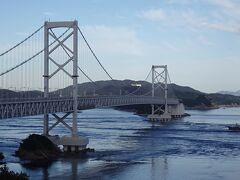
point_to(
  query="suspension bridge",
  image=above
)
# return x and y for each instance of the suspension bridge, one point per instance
(35, 71)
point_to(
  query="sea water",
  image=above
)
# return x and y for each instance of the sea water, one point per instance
(128, 146)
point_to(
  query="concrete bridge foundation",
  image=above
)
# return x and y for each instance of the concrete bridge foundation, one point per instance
(165, 117)
(69, 143)
(174, 111)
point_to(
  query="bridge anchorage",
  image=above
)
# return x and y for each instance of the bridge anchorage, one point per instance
(165, 112)
(75, 142)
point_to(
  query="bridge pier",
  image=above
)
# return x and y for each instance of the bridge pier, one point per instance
(174, 111)
(158, 114)
(177, 111)
(70, 144)
(156, 78)
(160, 118)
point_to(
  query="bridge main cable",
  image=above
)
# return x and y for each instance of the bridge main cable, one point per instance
(18, 44)
(94, 54)
(35, 55)
(132, 93)
(64, 48)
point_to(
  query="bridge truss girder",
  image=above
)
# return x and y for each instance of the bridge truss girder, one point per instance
(31, 107)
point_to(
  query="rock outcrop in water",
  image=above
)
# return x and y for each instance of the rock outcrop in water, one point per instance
(37, 148)
(1, 156)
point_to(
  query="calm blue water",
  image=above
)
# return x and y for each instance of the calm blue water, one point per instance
(130, 147)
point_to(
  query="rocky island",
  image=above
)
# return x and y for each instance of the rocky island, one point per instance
(37, 149)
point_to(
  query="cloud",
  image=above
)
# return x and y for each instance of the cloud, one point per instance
(22, 34)
(113, 40)
(153, 14)
(171, 47)
(210, 22)
(221, 15)
(114, 46)
(228, 6)
(204, 40)
(182, 2)
(228, 27)
(48, 13)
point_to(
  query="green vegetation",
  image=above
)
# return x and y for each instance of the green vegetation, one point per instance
(224, 99)
(190, 97)
(6, 174)
(37, 148)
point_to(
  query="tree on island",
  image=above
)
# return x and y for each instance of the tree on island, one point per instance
(6, 174)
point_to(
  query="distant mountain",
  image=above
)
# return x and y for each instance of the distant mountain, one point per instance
(9, 94)
(237, 93)
(190, 97)
(224, 99)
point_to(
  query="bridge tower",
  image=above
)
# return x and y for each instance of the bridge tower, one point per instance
(159, 79)
(75, 142)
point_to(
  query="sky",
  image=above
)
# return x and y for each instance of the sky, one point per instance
(199, 40)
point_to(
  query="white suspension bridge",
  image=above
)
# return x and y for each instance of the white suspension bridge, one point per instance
(60, 61)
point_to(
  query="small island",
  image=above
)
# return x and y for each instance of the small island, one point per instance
(37, 149)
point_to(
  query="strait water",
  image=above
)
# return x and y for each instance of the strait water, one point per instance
(130, 147)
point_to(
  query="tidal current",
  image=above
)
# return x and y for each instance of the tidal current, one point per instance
(129, 146)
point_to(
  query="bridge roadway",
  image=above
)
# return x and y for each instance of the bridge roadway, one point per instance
(28, 107)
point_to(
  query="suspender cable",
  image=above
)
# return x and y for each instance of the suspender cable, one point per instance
(94, 54)
(132, 93)
(22, 41)
(35, 55)
(63, 47)
(171, 85)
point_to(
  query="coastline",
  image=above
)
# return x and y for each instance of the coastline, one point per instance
(202, 108)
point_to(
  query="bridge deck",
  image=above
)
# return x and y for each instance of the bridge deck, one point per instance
(28, 107)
